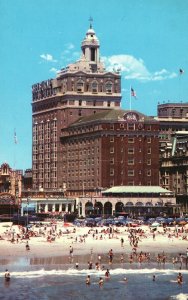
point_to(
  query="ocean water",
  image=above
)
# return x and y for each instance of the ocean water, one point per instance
(36, 282)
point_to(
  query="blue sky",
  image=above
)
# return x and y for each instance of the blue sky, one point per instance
(147, 39)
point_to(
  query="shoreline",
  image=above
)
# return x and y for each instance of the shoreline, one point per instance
(87, 245)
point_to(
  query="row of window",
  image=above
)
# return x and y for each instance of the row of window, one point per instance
(94, 87)
(130, 140)
(81, 185)
(131, 150)
(47, 126)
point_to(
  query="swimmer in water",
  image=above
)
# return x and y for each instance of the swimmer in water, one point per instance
(179, 278)
(88, 281)
(125, 279)
(101, 281)
(107, 273)
(153, 277)
(7, 275)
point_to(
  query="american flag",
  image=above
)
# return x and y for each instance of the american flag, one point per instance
(133, 93)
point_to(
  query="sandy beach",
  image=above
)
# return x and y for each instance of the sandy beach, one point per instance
(48, 270)
(87, 241)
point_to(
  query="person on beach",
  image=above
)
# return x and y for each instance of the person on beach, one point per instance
(90, 265)
(7, 275)
(186, 257)
(27, 246)
(110, 256)
(180, 279)
(77, 265)
(71, 251)
(122, 258)
(181, 260)
(101, 281)
(99, 258)
(88, 280)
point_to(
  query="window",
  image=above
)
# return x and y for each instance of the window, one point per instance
(130, 140)
(149, 161)
(149, 151)
(111, 139)
(149, 128)
(148, 172)
(130, 161)
(111, 172)
(111, 182)
(108, 87)
(92, 54)
(94, 87)
(80, 86)
(112, 161)
(130, 150)
(112, 126)
(131, 126)
(148, 140)
(131, 183)
(173, 112)
(111, 149)
(130, 172)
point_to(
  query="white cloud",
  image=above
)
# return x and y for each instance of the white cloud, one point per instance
(69, 46)
(54, 70)
(134, 68)
(48, 57)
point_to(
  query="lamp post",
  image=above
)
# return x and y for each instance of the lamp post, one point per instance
(28, 198)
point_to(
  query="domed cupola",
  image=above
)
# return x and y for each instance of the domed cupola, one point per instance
(90, 46)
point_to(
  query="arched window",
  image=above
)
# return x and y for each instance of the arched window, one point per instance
(94, 87)
(109, 87)
(149, 204)
(129, 204)
(139, 203)
(80, 86)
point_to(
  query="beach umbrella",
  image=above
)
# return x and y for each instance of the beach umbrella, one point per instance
(155, 224)
(68, 224)
(182, 223)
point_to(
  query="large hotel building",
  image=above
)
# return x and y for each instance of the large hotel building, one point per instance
(82, 140)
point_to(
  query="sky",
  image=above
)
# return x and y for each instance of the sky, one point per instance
(146, 39)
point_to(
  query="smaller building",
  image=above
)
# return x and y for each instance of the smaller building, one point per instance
(51, 201)
(110, 148)
(174, 167)
(172, 117)
(133, 200)
(10, 180)
(51, 205)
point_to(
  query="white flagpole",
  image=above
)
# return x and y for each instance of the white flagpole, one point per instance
(130, 99)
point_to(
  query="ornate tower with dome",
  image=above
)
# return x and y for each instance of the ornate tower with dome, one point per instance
(82, 88)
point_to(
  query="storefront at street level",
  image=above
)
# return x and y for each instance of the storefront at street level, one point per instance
(47, 205)
(8, 204)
